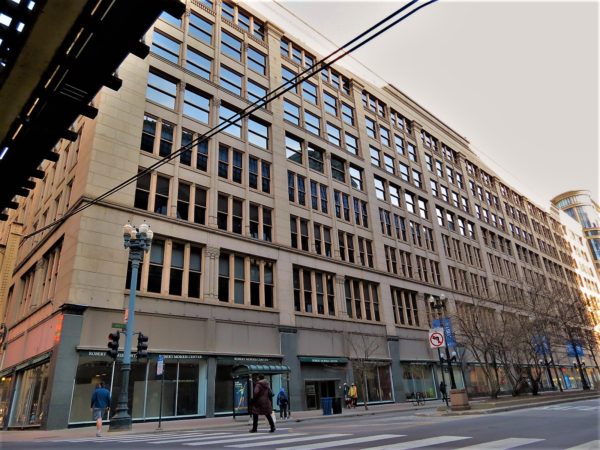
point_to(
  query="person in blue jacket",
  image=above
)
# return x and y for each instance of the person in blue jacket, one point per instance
(100, 404)
(283, 402)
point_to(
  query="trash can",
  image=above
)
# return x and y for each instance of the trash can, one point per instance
(326, 405)
(337, 405)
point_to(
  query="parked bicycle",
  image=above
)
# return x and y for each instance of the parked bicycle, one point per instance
(418, 399)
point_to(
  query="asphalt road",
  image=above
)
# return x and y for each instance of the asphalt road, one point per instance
(572, 426)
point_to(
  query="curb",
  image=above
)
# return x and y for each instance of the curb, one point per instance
(510, 407)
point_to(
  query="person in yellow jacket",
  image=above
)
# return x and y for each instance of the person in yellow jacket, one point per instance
(353, 394)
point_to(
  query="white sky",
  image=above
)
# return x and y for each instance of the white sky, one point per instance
(518, 79)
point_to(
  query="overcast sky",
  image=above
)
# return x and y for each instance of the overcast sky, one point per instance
(518, 79)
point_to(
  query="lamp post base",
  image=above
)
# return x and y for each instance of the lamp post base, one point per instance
(459, 400)
(120, 423)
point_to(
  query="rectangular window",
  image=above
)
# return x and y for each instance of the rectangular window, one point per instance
(234, 283)
(196, 105)
(165, 47)
(200, 206)
(231, 46)
(226, 113)
(399, 144)
(161, 196)
(313, 298)
(291, 112)
(155, 266)
(409, 201)
(231, 80)
(288, 76)
(406, 312)
(309, 92)
(375, 156)
(166, 139)
(293, 149)
(176, 272)
(371, 128)
(315, 158)
(258, 133)
(201, 28)
(384, 136)
(412, 152)
(148, 134)
(347, 114)
(338, 169)
(330, 103)
(334, 135)
(198, 63)
(394, 192)
(379, 188)
(312, 123)
(389, 164)
(183, 201)
(142, 192)
(256, 61)
(356, 177)
(161, 90)
(255, 92)
(351, 144)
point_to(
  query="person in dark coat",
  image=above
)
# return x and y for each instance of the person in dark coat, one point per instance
(443, 391)
(262, 403)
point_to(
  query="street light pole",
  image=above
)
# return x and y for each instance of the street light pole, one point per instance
(438, 304)
(584, 385)
(138, 241)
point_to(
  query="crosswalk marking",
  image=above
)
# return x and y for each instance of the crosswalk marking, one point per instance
(592, 445)
(502, 444)
(245, 437)
(359, 440)
(420, 443)
(179, 440)
(288, 441)
(132, 437)
(159, 437)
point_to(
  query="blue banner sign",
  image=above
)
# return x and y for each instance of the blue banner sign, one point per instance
(541, 345)
(446, 324)
(574, 347)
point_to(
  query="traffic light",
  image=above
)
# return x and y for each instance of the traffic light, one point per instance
(142, 347)
(113, 344)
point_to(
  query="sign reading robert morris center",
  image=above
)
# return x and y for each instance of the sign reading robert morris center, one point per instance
(322, 360)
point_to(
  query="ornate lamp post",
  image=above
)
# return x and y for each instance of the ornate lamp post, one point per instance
(581, 364)
(138, 241)
(438, 304)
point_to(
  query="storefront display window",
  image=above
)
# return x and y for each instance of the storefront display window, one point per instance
(458, 378)
(379, 384)
(4, 398)
(418, 378)
(90, 372)
(32, 397)
(223, 389)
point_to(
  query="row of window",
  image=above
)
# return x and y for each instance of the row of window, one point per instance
(400, 262)
(162, 89)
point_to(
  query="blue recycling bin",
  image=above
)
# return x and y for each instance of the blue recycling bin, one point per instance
(326, 403)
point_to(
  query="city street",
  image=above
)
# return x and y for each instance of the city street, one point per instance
(561, 426)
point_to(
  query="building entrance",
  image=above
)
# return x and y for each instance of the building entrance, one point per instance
(317, 389)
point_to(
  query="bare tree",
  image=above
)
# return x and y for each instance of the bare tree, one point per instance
(362, 350)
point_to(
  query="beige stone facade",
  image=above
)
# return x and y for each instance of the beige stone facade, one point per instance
(409, 212)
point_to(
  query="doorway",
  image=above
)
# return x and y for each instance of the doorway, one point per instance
(317, 389)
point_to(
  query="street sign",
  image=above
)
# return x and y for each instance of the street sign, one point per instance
(446, 323)
(436, 337)
(160, 365)
(121, 326)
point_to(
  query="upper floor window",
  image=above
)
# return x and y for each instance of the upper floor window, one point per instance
(351, 143)
(165, 47)
(245, 280)
(196, 105)
(312, 123)
(293, 149)
(258, 133)
(161, 90)
(291, 112)
(356, 177)
(230, 213)
(314, 292)
(257, 61)
(330, 103)
(171, 19)
(225, 114)
(347, 114)
(309, 92)
(338, 169)
(198, 63)
(201, 28)
(231, 46)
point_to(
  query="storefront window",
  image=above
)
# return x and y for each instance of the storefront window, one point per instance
(223, 389)
(4, 398)
(32, 397)
(458, 378)
(418, 378)
(169, 391)
(90, 372)
(187, 389)
(379, 383)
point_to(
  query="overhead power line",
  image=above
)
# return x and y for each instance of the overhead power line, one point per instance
(355, 43)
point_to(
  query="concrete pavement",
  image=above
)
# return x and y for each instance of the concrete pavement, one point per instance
(432, 408)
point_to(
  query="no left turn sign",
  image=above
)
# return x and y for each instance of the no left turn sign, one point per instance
(436, 338)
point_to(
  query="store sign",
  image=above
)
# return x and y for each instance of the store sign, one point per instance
(99, 353)
(322, 360)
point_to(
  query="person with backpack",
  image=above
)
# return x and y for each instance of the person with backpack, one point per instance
(283, 403)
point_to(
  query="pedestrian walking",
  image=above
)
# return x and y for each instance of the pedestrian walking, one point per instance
(347, 395)
(353, 393)
(100, 404)
(443, 391)
(283, 403)
(262, 403)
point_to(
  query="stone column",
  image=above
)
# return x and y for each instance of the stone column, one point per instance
(289, 348)
(394, 349)
(340, 295)
(211, 375)
(211, 280)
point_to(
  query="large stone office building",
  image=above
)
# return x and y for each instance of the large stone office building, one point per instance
(330, 214)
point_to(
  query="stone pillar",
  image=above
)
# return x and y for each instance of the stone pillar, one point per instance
(394, 350)
(289, 348)
(340, 295)
(63, 368)
(211, 282)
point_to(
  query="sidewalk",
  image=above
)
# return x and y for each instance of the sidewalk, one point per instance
(431, 408)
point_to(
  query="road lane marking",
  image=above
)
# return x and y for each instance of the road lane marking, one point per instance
(288, 441)
(592, 445)
(244, 437)
(420, 443)
(193, 439)
(502, 444)
(358, 440)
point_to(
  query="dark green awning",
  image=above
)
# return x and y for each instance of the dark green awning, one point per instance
(250, 369)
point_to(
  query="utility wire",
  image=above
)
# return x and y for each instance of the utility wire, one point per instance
(258, 104)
